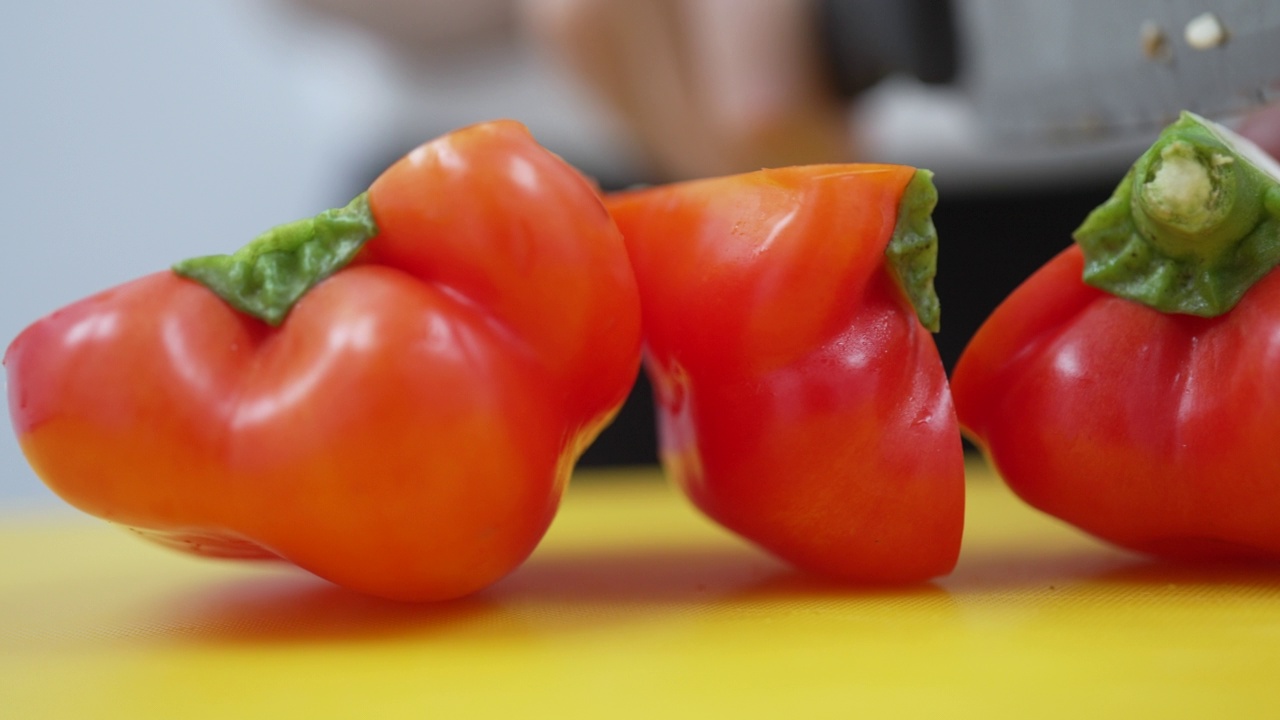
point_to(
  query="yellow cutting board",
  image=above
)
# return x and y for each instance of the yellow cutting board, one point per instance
(635, 606)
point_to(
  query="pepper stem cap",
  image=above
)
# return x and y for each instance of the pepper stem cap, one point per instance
(1193, 224)
(912, 254)
(266, 277)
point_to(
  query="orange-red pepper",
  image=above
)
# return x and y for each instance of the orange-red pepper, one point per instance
(1128, 386)
(801, 400)
(406, 429)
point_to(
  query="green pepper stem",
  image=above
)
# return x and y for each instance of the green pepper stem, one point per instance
(912, 254)
(1191, 227)
(269, 275)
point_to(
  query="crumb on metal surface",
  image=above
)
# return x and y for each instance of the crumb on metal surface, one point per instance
(1155, 44)
(1205, 31)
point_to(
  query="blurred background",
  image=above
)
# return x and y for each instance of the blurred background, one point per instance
(139, 132)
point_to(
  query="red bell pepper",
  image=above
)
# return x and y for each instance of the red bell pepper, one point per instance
(801, 400)
(391, 395)
(1129, 386)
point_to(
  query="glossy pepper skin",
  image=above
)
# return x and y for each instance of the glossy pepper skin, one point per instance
(801, 403)
(408, 428)
(1151, 428)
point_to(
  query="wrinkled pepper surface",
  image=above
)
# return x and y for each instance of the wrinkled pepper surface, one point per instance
(1130, 386)
(801, 401)
(390, 395)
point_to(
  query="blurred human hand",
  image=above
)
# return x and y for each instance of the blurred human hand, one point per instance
(706, 87)
(422, 27)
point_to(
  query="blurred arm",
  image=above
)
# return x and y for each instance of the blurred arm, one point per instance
(707, 87)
